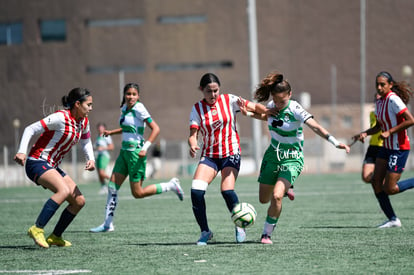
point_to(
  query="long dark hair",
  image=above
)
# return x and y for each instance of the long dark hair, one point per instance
(76, 94)
(126, 88)
(207, 79)
(273, 83)
(402, 89)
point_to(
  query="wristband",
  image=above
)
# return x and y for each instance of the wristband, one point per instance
(146, 145)
(333, 140)
(250, 114)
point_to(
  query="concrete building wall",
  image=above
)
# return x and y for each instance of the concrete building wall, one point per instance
(301, 38)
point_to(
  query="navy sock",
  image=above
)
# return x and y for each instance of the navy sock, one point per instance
(385, 204)
(405, 184)
(199, 208)
(48, 210)
(65, 219)
(231, 198)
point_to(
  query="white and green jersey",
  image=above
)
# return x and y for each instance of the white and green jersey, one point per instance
(102, 141)
(132, 123)
(286, 127)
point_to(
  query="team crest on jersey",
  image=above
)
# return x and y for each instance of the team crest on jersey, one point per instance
(214, 112)
(286, 118)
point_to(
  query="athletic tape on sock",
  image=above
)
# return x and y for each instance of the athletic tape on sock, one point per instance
(199, 185)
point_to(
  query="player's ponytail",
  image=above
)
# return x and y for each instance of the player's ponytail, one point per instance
(272, 83)
(402, 89)
(76, 94)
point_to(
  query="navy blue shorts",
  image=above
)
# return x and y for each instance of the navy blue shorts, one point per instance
(371, 154)
(219, 164)
(396, 159)
(36, 168)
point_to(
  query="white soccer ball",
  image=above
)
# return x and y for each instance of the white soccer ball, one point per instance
(243, 214)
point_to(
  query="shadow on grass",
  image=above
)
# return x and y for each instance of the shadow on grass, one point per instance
(193, 243)
(20, 247)
(337, 227)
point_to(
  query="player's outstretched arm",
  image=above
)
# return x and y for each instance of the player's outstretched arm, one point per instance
(322, 132)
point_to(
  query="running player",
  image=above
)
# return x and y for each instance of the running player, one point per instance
(59, 132)
(132, 157)
(375, 143)
(103, 144)
(393, 119)
(283, 160)
(214, 120)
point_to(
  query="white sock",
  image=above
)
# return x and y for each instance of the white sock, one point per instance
(268, 228)
(111, 203)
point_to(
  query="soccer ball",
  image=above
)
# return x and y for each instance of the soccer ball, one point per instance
(243, 214)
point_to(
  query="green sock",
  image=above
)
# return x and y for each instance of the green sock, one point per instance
(272, 220)
(159, 188)
(113, 185)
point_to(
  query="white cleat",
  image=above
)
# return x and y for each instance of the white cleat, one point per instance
(102, 228)
(177, 188)
(390, 223)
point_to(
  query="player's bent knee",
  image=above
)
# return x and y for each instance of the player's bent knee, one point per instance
(138, 195)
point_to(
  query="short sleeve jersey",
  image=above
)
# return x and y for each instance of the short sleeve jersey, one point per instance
(217, 126)
(375, 138)
(285, 128)
(132, 122)
(61, 132)
(102, 141)
(388, 111)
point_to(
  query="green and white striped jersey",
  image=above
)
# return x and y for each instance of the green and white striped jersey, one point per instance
(286, 127)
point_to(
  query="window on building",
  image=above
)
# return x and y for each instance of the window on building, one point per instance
(52, 30)
(325, 121)
(182, 19)
(115, 22)
(347, 122)
(11, 33)
(194, 66)
(114, 69)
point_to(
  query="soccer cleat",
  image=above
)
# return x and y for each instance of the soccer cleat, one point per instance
(37, 234)
(103, 190)
(177, 188)
(102, 228)
(390, 223)
(240, 234)
(266, 239)
(290, 194)
(58, 241)
(204, 237)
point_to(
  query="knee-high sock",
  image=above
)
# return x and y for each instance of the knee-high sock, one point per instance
(231, 198)
(385, 204)
(269, 225)
(48, 210)
(65, 219)
(405, 184)
(199, 208)
(111, 203)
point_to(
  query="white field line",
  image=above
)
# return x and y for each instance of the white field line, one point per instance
(46, 272)
(172, 196)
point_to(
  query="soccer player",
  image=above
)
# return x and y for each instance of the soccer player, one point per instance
(283, 160)
(214, 119)
(132, 158)
(393, 119)
(59, 132)
(103, 144)
(375, 143)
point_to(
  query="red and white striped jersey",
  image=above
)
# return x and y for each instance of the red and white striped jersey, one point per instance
(60, 132)
(388, 111)
(217, 126)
